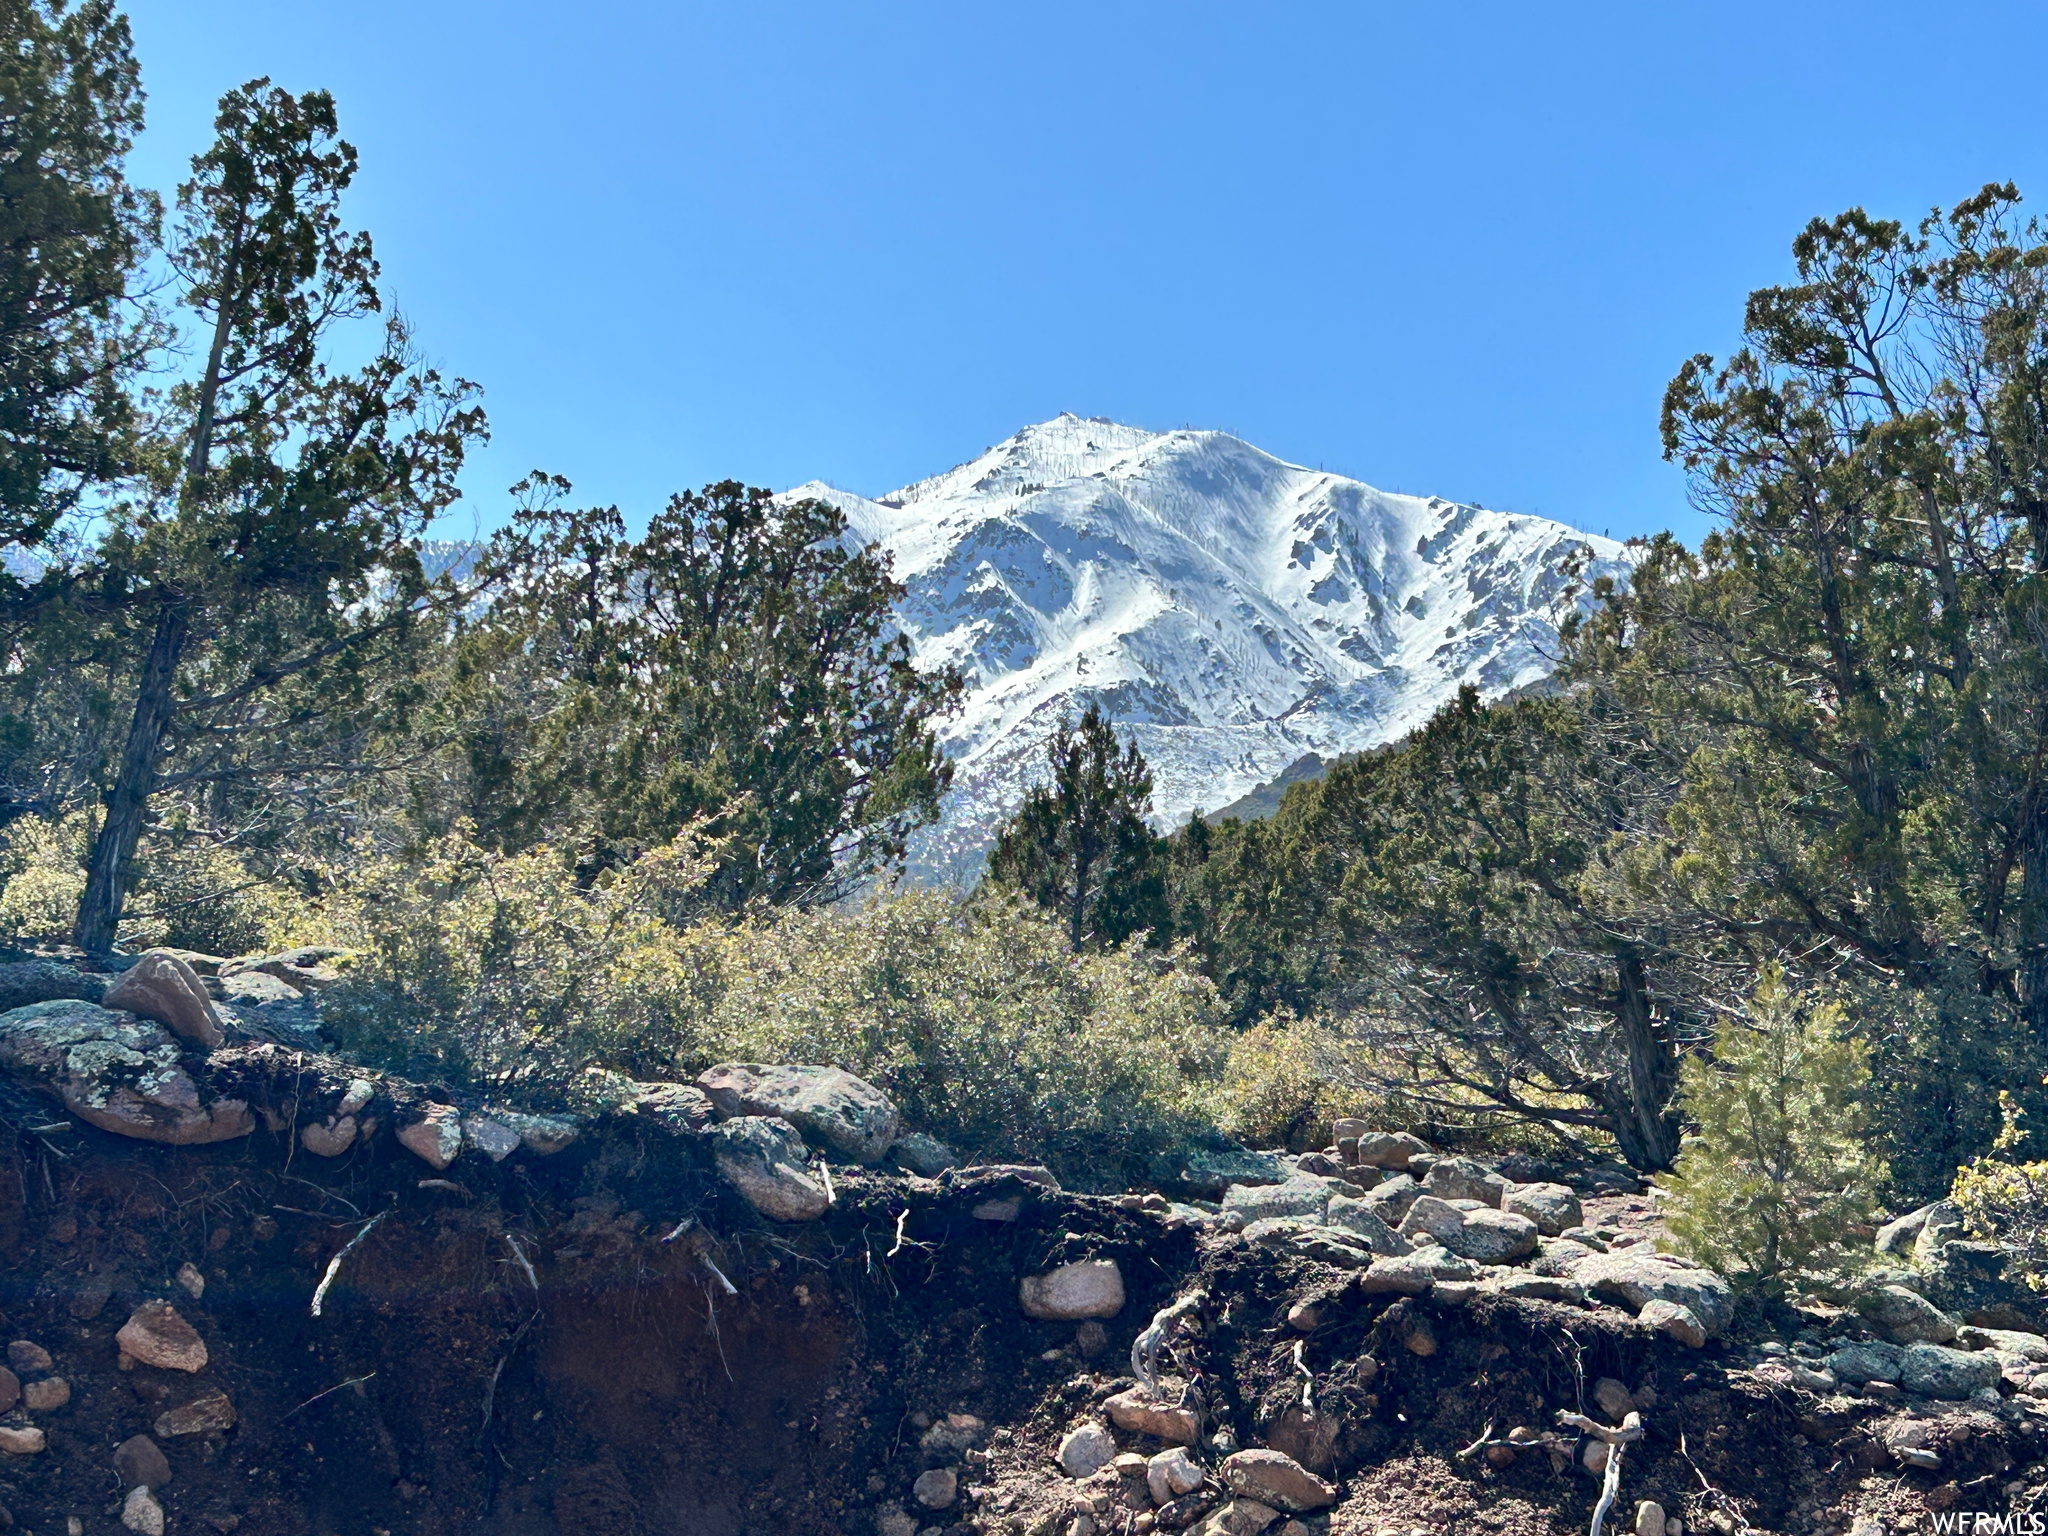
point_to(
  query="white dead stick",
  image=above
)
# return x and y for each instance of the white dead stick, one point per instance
(901, 1217)
(730, 1288)
(1145, 1349)
(334, 1264)
(1308, 1379)
(1617, 1442)
(519, 1253)
(825, 1172)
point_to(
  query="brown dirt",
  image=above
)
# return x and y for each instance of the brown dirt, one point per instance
(622, 1390)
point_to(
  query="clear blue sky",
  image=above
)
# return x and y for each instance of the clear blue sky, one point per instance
(1446, 249)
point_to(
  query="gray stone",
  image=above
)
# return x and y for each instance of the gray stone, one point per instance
(937, 1488)
(1086, 1449)
(435, 1138)
(763, 1158)
(1171, 1474)
(1904, 1318)
(490, 1136)
(1460, 1178)
(1414, 1273)
(210, 1413)
(1553, 1207)
(1968, 1281)
(1141, 1413)
(1296, 1197)
(676, 1107)
(1897, 1237)
(1942, 1222)
(2013, 1343)
(1481, 1234)
(1941, 1372)
(1087, 1288)
(1859, 1364)
(1524, 1286)
(1674, 1321)
(1212, 1170)
(1391, 1200)
(118, 1072)
(827, 1105)
(1637, 1276)
(1389, 1149)
(925, 1156)
(1276, 1479)
(1359, 1217)
(140, 1463)
(141, 1514)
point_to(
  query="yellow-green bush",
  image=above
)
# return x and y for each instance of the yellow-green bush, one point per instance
(2006, 1202)
(1285, 1081)
(43, 865)
(1779, 1169)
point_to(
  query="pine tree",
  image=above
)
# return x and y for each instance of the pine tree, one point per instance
(1079, 846)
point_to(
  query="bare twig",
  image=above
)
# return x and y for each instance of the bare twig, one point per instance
(1308, 1382)
(726, 1285)
(526, 1264)
(901, 1217)
(681, 1227)
(825, 1173)
(334, 1264)
(1618, 1441)
(353, 1381)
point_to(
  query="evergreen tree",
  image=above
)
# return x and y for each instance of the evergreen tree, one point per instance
(1079, 845)
(72, 234)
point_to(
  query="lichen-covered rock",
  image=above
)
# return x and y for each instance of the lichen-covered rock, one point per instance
(1968, 1280)
(1859, 1364)
(1359, 1217)
(1209, 1171)
(1261, 1202)
(542, 1135)
(42, 981)
(827, 1105)
(1484, 1235)
(1637, 1276)
(118, 1072)
(925, 1156)
(1460, 1178)
(763, 1158)
(1902, 1317)
(209, 1413)
(436, 1137)
(1276, 1479)
(677, 1108)
(490, 1136)
(162, 987)
(1383, 1149)
(1311, 1239)
(1087, 1288)
(1674, 1321)
(1553, 1207)
(1939, 1371)
(1391, 1199)
(1897, 1237)
(1414, 1273)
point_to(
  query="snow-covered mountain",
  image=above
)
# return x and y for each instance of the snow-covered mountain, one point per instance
(1230, 610)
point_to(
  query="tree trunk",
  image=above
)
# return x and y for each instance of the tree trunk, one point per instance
(1644, 1126)
(106, 879)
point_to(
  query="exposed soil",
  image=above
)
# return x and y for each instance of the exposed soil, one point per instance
(546, 1345)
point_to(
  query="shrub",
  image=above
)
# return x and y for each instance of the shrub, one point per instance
(1779, 1169)
(1285, 1081)
(43, 864)
(2007, 1202)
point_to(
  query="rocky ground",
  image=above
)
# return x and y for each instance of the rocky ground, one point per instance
(248, 1287)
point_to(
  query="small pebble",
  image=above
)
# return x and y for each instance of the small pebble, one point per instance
(141, 1513)
(46, 1395)
(191, 1281)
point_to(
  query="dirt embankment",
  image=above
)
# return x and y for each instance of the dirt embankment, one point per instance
(610, 1340)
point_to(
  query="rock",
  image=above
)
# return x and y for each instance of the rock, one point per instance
(542, 1135)
(1388, 1149)
(1432, 1216)
(825, 1104)
(890, 1520)
(1392, 1199)
(1649, 1518)
(1553, 1207)
(1897, 1237)
(1859, 1364)
(436, 1137)
(2019, 1344)
(46, 1395)
(1209, 1171)
(1676, 1320)
(1139, 1412)
(675, 1107)
(1941, 1222)
(925, 1156)
(1236, 1517)
(1614, 1400)
(1947, 1373)
(1460, 1178)
(1171, 1474)
(162, 987)
(141, 1513)
(1414, 1273)
(1086, 1450)
(118, 1072)
(1090, 1339)
(10, 1389)
(490, 1136)
(257, 989)
(356, 1097)
(952, 1434)
(1260, 1202)
(1905, 1318)
(1968, 1281)
(1483, 1235)
(209, 1413)
(936, 1489)
(1088, 1288)
(155, 1335)
(1358, 1216)
(29, 1358)
(1278, 1480)
(43, 981)
(764, 1160)
(329, 1138)
(1527, 1287)
(20, 1440)
(1637, 1276)
(140, 1462)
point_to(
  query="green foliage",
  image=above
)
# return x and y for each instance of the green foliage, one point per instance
(1780, 1169)
(1079, 846)
(2006, 1202)
(1285, 1081)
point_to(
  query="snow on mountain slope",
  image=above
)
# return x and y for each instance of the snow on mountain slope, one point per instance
(1229, 610)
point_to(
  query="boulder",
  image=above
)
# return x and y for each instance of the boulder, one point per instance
(825, 1104)
(1637, 1276)
(1209, 1171)
(1296, 1197)
(1941, 1222)
(489, 1135)
(1141, 1413)
(1389, 1149)
(763, 1158)
(42, 981)
(1484, 1235)
(118, 1072)
(436, 1137)
(676, 1107)
(1391, 1199)
(1858, 1364)
(2007, 1343)
(1277, 1480)
(258, 989)
(1968, 1280)
(1304, 1235)
(925, 1156)
(1431, 1216)
(156, 1335)
(330, 1137)
(1460, 1178)
(1088, 1288)
(162, 987)
(1086, 1450)
(1675, 1321)
(1527, 1287)
(1553, 1207)
(542, 1135)
(1897, 1237)
(1414, 1273)
(1902, 1317)
(1939, 1371)
(1358, 1216)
